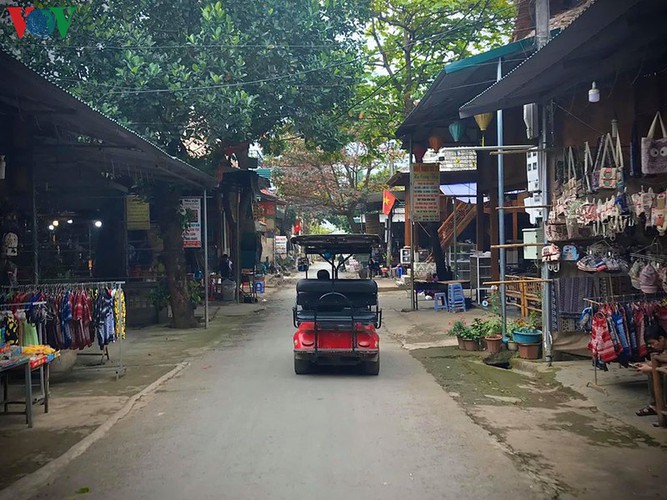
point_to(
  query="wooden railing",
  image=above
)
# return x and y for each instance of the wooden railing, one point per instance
(464, 213)
(526, 292)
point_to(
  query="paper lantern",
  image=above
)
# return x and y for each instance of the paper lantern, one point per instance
(483, 120)
(419, 151)
(436, 142)
(457, 129)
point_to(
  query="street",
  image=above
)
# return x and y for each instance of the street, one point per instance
(238, 423)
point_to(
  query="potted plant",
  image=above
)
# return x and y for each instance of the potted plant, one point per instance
(159, 297)
(513, 326)
(527, 333)
(474, 334)
(459, 329)
(494, 335)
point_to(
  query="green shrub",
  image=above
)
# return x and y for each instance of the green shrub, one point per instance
(459, 329)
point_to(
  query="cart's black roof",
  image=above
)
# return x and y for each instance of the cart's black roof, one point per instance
(337, 243)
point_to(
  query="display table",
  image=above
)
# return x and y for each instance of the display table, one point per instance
(26, 364)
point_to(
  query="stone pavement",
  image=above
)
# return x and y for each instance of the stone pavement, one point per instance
(563, 432)
(87, 395)
(576, 440)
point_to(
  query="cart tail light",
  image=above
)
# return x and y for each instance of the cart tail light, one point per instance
(307, 340)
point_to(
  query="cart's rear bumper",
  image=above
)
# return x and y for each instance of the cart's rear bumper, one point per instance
(337, 356)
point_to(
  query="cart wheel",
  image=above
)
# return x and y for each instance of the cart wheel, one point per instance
(372, 367)
(302, 366)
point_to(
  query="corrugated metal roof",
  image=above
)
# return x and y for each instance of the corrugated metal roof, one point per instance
(17, 76)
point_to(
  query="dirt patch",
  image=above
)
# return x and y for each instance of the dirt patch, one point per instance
(550, 431)
(473, 382)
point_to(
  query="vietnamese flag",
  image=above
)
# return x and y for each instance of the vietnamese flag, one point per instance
(388, 201)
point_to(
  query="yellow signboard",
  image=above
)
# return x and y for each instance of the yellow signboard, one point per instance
(138, 214)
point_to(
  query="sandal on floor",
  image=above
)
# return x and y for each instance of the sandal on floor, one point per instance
(647, 411)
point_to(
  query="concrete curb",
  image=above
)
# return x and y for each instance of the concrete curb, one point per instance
(27, 486)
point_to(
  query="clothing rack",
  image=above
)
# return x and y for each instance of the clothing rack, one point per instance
(622, 300)
(121, 369)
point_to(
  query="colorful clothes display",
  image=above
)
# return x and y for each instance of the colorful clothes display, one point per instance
(617, 330)
(72, 318)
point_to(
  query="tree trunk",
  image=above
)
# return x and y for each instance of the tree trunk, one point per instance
(171, 231)
(354, 227)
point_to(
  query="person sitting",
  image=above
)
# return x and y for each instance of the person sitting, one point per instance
(323, 274)
(656, 339)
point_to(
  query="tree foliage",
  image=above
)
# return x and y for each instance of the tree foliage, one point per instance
(410, 41)
(325, 185)
(199, 76)
(204, 78)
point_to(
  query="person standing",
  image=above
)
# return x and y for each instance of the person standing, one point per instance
(225, 267)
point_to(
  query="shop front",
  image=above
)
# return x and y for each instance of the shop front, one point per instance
(76, 234)
(602, 92)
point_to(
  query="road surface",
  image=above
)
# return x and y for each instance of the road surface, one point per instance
(239, 424)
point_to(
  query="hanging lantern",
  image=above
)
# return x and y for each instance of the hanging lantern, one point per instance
(483, 120)
(419, 151)
(436, 142)
(457, 129)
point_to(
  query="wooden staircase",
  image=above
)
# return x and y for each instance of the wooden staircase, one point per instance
(465, 213)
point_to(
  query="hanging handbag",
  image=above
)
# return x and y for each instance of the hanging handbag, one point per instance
(573, 187)
(556, 231)
(610, 171)
(654, 151)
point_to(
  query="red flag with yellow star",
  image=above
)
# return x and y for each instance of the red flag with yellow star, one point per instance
(388, 201)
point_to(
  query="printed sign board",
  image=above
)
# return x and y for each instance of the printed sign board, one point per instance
(192, 233)
(281, 245)
(138, 214)
(425, 192)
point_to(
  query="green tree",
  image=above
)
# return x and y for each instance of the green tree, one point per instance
(327, 185)
(204, 79)
(410, 42)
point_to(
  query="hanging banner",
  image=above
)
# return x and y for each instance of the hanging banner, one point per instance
(425, 192)
(138, 214)
(192, 233)
(281, 245)
(269, 211)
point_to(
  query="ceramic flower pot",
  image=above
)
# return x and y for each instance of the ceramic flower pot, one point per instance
(527, 337)
(470, 345)
(512, 346)
(494, 343)
(461, 344)
(529, 351)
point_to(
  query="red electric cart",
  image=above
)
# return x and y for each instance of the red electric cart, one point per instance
(336, 319)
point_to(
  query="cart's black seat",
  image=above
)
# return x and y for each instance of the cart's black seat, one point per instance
(362, 294)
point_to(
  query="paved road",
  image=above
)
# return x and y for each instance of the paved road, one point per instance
(239, 424)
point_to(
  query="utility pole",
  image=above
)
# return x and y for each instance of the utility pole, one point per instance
(542, 16)
(501, 206)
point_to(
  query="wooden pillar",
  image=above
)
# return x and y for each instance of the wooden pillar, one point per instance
(481, 233)
(495, 255)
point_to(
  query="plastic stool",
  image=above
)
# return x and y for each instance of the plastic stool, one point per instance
(259, 287)
(457, 301)
(440, 301)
